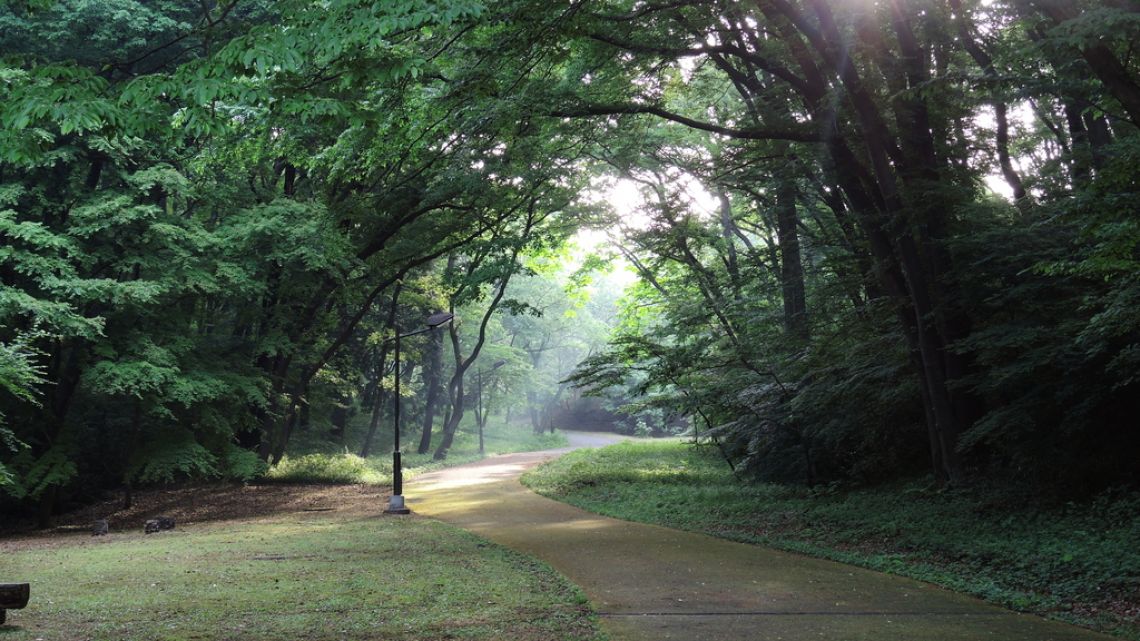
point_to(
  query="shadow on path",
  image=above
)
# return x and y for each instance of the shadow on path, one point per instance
(651, 583)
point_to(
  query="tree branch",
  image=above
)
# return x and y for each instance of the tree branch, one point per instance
(743, 134)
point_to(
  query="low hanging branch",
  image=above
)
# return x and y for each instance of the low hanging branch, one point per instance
(586, 111)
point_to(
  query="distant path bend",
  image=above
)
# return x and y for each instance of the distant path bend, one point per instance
(651, 583)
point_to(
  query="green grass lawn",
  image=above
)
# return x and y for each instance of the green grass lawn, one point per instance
(295, 577)
(1079, 563)
(315, 461)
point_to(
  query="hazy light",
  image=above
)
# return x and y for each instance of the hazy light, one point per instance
(998, 185)
(633, 212)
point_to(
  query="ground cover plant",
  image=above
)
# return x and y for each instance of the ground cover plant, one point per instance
(313, 575)
(1074, 562)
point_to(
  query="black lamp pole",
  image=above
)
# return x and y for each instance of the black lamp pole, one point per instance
(396, 503)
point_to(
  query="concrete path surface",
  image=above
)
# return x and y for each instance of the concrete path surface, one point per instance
(653, 583)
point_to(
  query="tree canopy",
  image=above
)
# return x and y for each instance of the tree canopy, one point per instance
(873, 238)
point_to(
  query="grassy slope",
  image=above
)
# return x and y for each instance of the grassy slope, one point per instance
(290, 579)
(1076, 563)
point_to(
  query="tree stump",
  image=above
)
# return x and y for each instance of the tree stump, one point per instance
(13, 596)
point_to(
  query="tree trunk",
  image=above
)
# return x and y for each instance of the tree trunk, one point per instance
(271, 423)
(1099, 137)
(1103, 63)
(381, 367)
(535, 413)
(379, 400)
(791, 265)
(985, 61)
(433, 371)
(480, 417)
(1012, 178)
(373, 424)
(455, 392)
(134, 443)
(728, 232)
(1081, 162)
(911, 246)
(46, 509)
(455, 389)
(339, 417)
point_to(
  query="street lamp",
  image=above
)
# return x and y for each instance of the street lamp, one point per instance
(396, 503)
(480, 417)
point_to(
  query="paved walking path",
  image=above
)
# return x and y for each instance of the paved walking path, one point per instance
(652, 583)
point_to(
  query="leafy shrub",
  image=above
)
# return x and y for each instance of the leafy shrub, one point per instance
(324, 468)
(31, 476)
(239, 464)
(176, 455)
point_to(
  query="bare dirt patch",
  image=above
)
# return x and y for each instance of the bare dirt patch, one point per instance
(207, 503)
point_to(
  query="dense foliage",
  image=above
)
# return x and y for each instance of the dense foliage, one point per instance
(216, 216)
(853, 301)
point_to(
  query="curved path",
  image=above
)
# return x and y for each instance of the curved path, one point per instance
(651, 583)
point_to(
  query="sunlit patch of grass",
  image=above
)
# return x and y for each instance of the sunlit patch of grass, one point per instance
(292, 578)
(327, 468)
(654, 462)
(322, 464)
(1079, 563)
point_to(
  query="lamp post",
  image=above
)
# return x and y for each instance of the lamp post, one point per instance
(479, 415)
(396, 503)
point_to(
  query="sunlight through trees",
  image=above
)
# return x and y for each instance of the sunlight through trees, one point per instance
(861, 240)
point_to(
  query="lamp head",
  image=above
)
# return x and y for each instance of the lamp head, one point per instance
(438, 318)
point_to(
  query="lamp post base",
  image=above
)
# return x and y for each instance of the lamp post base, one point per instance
(396, 505)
